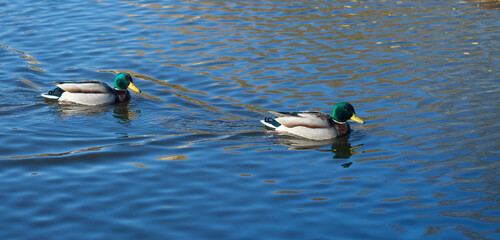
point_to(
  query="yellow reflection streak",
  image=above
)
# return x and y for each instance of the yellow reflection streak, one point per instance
(288, 192)
(173, 158)
(26, 56)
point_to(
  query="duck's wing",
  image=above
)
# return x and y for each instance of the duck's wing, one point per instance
(304, 119)
(85, 87)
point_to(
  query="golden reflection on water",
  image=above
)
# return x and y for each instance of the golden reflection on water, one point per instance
(228, 149)
(28, 82)
(30, 59)
(173, 158)
(265, 40)
(319, 199)
(288, 192)
(491, 4)
(178, 90)
(139, 165)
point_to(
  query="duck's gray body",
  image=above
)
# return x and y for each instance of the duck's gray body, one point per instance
(311, 125)
(87, 93)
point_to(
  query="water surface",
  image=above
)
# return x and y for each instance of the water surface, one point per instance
(188, 159)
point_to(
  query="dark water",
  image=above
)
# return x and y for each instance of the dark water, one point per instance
(188, 159)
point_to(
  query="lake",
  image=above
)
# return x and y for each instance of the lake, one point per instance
(188, 158)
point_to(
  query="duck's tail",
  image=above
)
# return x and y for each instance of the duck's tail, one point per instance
(54, 94)
(270, 122)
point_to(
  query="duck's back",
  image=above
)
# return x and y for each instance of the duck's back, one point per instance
(311, 125)
(87, 93)
(84, 87)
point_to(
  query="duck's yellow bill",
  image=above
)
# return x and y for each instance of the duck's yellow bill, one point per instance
(133, 87)
(356, 119)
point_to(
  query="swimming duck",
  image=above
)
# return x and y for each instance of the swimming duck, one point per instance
(93, 92)
(314, 125)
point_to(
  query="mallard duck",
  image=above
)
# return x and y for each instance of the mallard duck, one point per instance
(93, 92)
(314, 125)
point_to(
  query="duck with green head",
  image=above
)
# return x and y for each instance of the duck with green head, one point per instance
(314, 125)
(94, 92)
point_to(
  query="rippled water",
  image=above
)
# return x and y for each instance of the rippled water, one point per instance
(188, 159)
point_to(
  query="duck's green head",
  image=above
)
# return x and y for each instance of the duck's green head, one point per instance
(344, 111)
(124, 81)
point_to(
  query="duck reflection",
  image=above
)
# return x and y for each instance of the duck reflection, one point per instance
(340, 147)
(121, 111)
(343, 148)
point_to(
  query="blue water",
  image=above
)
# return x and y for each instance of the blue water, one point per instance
(188, 158)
